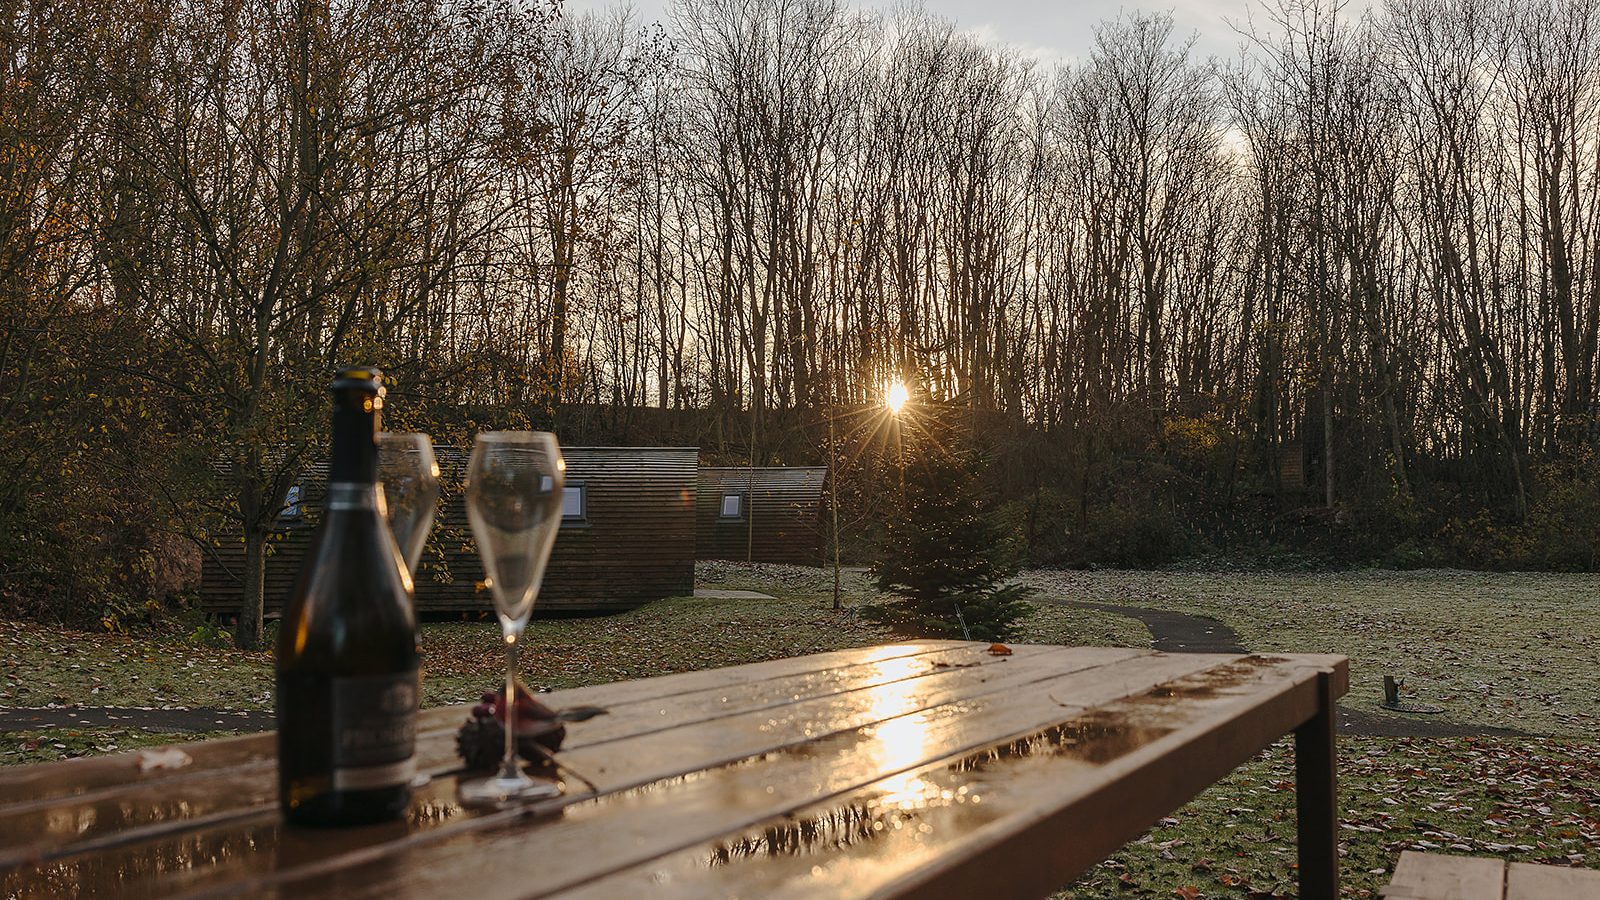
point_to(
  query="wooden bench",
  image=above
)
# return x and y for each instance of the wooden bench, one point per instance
(925, 769)
(1439, 876)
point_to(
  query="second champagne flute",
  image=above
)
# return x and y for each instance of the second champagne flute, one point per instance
(410, 477)
(514, 487)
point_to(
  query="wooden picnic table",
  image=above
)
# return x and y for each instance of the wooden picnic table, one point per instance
(934, 768)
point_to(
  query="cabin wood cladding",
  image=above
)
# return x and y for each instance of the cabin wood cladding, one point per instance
(635, 544)
(779, 516)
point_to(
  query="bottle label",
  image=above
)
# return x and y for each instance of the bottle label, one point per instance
(354, 495)
(374, 730)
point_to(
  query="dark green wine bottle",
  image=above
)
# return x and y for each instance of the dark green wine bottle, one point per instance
(347, 645)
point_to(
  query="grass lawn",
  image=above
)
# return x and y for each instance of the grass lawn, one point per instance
(1508, 650)
(1529, 801)
(1513, 650)
(43, 666)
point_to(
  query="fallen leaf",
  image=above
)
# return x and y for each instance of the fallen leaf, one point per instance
(169, 758)
(999, 650)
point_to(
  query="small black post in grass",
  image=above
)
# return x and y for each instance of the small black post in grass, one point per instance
(1391, 692)
(1391, 698)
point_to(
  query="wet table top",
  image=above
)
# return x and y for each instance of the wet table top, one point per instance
(934, 768)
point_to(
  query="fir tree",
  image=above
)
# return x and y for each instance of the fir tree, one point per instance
(945, 555)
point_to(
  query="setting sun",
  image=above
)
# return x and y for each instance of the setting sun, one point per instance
(896, 397)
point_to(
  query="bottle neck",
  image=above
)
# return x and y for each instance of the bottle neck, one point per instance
(354, 458)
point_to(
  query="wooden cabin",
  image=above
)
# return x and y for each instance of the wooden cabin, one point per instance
(627, 538)
(1292, 467)
(760, 514)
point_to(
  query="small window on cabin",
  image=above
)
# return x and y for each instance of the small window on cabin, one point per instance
(574, 503)
(732, 506)
(291, 503)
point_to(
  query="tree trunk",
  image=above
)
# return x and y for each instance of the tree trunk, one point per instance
(1327, 433)
(247, 634)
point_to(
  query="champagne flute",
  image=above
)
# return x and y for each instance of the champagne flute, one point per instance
(410, 477)
(514, 487)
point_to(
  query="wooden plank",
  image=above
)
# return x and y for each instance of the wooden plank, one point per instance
(649, 715)
(204, 791)
(662, 686)
(1530, 882)
(1439, 876)
(1020, 819)
(642, 819)
(39, 781)
(620, 767)
(249, 791)
(100, 777)
(35, 784)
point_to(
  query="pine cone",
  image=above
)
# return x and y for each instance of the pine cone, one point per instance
(481, 740)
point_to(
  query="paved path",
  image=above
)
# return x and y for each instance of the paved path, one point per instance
(150, 719)
(719, 594)
(1172, 632)
(1175, 632)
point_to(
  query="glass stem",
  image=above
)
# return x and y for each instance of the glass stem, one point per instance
(509, 768)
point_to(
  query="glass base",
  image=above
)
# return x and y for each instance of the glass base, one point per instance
(502, 790)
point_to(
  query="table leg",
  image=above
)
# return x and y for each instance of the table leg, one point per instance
(1317, 799)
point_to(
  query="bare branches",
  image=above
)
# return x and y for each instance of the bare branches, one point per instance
(1373, 240)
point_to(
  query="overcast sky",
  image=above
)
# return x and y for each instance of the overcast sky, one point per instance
(1053, 29)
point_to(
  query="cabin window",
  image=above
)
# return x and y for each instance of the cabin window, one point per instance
(291, 503)
(732, 506)
(574, 503)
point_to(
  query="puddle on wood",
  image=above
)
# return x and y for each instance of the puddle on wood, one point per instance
(1095, 738)
(897, 802)
(915, 805)
(252, 843)
(1213, 681)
